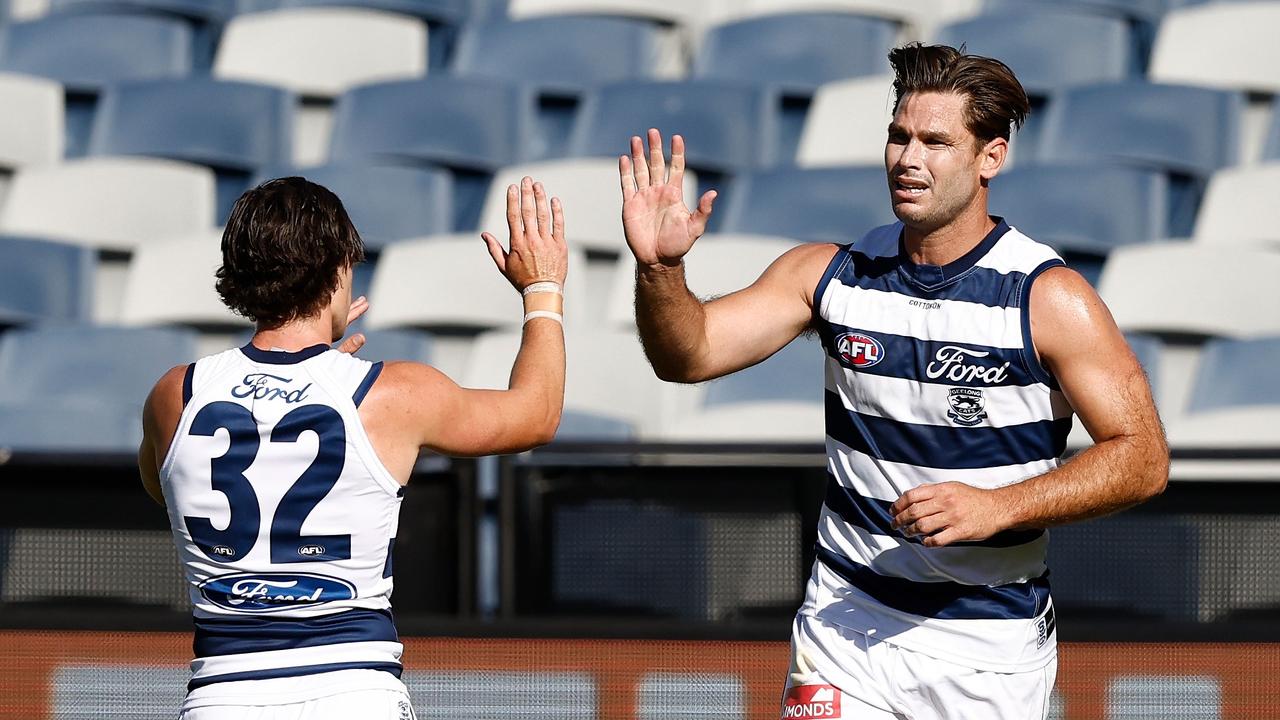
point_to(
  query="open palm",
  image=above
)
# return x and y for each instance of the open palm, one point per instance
(657, 222)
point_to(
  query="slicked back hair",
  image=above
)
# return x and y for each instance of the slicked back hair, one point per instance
(285, 244)
(995, 100)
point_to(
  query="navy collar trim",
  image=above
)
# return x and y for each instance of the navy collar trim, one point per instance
(932, 277)
(276, 357)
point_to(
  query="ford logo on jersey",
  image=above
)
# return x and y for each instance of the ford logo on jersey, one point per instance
(265, 592)
(858, 350)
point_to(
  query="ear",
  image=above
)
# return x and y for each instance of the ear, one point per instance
(991, 158)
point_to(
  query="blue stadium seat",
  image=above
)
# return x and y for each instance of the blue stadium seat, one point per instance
(86, 390)
(85, 52)
(793, 374)
(836, 204)
(213, 11)
(1271, 149)
(42, 280)
(1086, 209)
(588, 51)
(395, 345)
(1230, 371)
(798, 51)
(223, 124)
(726, 126)
(1176, 128)
(452, 12)
(1144, 10)
(1037, 42)
(233, 127)
(386, 203)
(469, 123)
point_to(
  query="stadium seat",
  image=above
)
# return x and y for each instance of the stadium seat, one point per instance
(87, 51)
(1240, 208)
(321, 52)
(797, 51)
(717, 265)
(223, 124)
(1197, 291)
(847, 123)
(86, 391)
(110, 203)
(471, 123)
(1226, 45)
(918, 18)
(448, 281)
(31, 126)
(43, 281)
(590, 51)
(210, 11)
(386, 202)
(588, 187)
(1176, 128)
(830, 204)
(172, 282)
(1271, 146)
(1230, 403)
(665, 11)
(603, 366)
(452, 12)
(1034, 41)
(726, 126)
(778, 400)
(396, 345)
(1086, 209)
(1144, 10)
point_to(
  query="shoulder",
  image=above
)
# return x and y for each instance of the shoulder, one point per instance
(1065, 309)
(164, 404)
(401, 379)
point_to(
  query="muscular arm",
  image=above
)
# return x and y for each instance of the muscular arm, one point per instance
(1078, 342)
(160, 417)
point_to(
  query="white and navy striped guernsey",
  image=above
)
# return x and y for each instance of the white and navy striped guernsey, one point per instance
(931, 376)
(284, 517)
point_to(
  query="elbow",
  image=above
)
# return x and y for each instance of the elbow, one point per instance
(1157, 479)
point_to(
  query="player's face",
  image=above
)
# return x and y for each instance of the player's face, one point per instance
(341, 304)
(933, 161)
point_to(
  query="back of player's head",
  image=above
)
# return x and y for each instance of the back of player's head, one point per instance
(995, 99)
(284, 247)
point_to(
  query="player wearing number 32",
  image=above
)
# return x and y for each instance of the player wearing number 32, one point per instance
(956, 350)
(281, 463)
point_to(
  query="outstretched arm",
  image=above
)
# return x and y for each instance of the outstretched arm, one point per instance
(685, 339)
(1079, 343)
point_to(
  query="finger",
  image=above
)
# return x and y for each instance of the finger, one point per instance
(358, 307)
(914, 495)
(528, 212)
(496, 252)
(544, 209)
(352, 344)
(557, 220)
(638, 163)
(657, 162)
(942, 539)
(677, 162)
(514, 226)
(703, 213)
(628, 180)
(915, 512)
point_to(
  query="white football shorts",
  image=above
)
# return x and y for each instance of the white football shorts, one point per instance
(837, 673)
(339, 695)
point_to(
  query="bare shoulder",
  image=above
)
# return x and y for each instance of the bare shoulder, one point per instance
(405, 382)
(165, 399)
(1067, 313)
(802, 265)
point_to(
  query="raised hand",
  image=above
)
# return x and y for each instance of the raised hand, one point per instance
(657, 223)
(352, 344)
(538, 251)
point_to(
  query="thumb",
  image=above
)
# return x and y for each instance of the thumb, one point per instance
(703, 213)
(352, 344)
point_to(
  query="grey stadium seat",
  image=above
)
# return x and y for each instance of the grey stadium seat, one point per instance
(42, 280)
(1231, 373)
(396, 345)
(830, 204)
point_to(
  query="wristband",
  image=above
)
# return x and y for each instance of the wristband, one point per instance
(545, 286)
(543, 314)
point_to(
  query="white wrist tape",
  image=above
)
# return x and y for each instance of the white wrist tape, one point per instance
(543, 314)
(545, 286)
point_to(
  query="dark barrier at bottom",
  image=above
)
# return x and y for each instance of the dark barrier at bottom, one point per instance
(77, 674)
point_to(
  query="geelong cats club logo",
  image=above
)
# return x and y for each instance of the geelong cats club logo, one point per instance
(858, 350)
(968, 407)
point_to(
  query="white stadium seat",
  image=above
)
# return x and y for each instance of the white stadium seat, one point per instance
(1240, 207)
(173, 282)
(847, 123)
(587, 187)
(31, 126)
(112, 203)
(1226, 45)
(322, 51)
(717, 265)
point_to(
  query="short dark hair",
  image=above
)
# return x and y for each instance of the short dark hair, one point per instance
(284, 246)
(995, 98)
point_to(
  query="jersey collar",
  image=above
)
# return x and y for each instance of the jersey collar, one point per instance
(278, 357)
(932, 277)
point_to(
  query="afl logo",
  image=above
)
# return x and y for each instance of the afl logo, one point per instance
(859, 351)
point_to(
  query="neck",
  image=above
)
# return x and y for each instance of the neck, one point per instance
(951, 241)
(298, 334)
